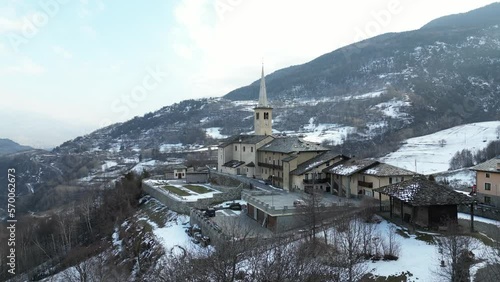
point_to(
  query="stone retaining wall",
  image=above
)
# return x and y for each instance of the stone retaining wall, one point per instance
(173, 202)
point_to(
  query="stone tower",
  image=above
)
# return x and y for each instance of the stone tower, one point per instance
(263, 117)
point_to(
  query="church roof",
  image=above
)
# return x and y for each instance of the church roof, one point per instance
(244, 139)
(291, 144)
(315, 162)
(420, 191)
(262, 92)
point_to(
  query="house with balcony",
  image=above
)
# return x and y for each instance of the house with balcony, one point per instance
(381, 175)
(345, 176)
(488, 182)
(309, 175)
(283, 155)
(238, 154)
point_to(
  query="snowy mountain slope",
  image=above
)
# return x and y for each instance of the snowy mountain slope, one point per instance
(432, 155)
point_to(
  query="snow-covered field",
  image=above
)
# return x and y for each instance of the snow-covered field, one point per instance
(214, 132)
(431, 157)
(321, 132)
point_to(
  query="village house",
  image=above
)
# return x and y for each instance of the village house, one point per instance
(423, 202)
(356, 178)
(309, 175)
(488, 182)
(343, 176)
(381, 175)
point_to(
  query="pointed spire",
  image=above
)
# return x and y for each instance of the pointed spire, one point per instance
(262, 93)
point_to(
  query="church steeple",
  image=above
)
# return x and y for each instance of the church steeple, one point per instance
(263, 117)
(262, 93)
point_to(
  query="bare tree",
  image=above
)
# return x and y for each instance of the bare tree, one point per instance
(347, 254)
(456, 255)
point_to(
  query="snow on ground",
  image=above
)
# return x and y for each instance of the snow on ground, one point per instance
(214, 132)
(193, 197)
(138, 168)
(478, 218)
(363, 96)
(324, 131)
(458, 178)
(108, 164)
(248, 105)
(173, 233)
(393, 108)
(416, 256)
(429, 154)
(165, 148)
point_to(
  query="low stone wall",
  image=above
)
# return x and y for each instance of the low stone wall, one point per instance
(221, 179)
(483, 211)
(184, 207)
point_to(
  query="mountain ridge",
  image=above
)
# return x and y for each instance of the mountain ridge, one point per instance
(8, 146)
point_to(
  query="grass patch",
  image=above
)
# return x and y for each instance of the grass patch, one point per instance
(176, 190)
(197, 189)
(429, 239)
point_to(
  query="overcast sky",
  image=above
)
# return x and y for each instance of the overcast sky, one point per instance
(68, 67)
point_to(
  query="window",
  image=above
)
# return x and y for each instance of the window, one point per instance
(251, 149)
(390, 180)
(487, 186)
(266, 170)
(243, 148)
(487, 200)
(266, 115)
(236, 148)
(256, 115)
(487, 175)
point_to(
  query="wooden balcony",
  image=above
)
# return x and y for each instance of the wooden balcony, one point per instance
(365, 184)
(271, 166)
(316, 181)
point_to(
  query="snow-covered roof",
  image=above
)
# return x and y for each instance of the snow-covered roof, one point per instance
(350, 167)
(291, 144)
(383, 169)
(315, 162)
(492, 165)
(420, 191)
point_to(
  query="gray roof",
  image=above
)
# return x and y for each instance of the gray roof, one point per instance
(291, 144)
(350, 167)
(420, 191)
(490, 165)
(233, 164)
(289, 158)
(383, 169)
(245, 139)
(315, 162)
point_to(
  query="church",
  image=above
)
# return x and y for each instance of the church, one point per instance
(264, 156)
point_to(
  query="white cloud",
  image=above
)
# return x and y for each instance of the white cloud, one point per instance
(10, 25)
(25, 66)
(60, 51)
(88, 31)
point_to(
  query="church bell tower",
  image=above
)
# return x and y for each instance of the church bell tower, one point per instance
(263, 113)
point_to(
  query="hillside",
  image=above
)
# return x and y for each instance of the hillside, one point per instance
(396, 85)
(8, 146)
(432, 153)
